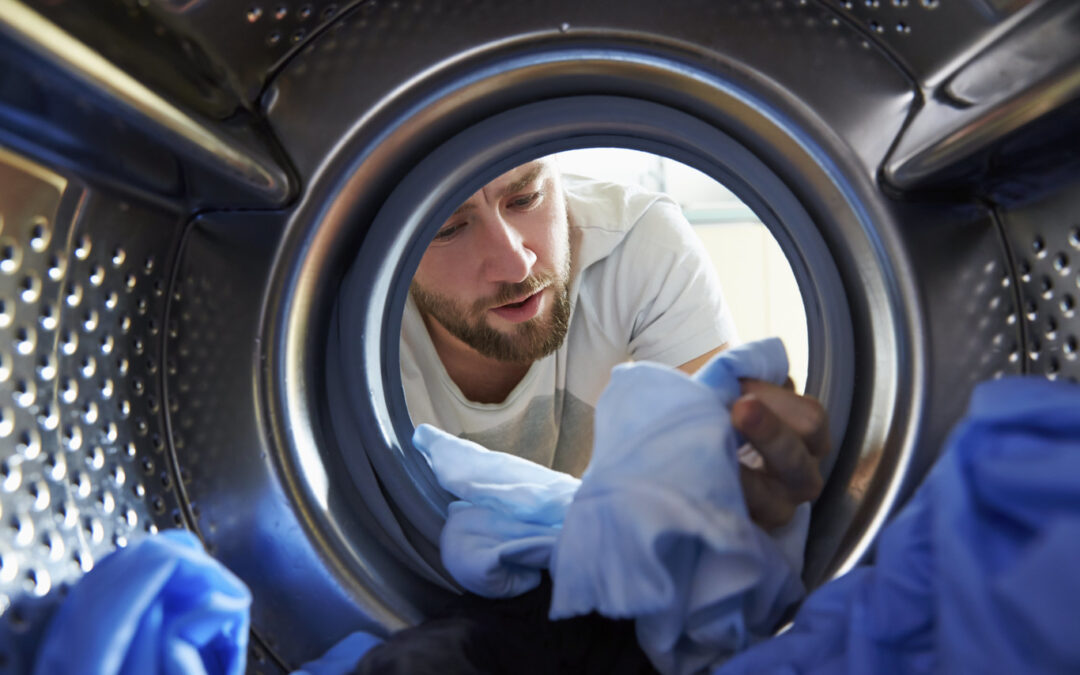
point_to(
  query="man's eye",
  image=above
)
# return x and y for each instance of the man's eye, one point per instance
(525, 201)
(448, 233)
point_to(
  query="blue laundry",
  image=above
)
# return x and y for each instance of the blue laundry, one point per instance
(657, 528)
(498, 538)
(976, 574)
(341, 659)
(516, 487)
(160, 606)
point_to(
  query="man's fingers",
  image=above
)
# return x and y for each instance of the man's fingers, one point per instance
(805, 415)
(767, 501)
(787, 456)
(791, 433)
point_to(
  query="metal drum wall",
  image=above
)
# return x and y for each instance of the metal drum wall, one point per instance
(183, 187)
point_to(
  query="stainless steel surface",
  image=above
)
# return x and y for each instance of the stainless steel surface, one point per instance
(745, 40)
(290, 526)
(371, 132)
(1020, 77)
(214, 57)
(250, 165)
(83, 470)
(963, 276)
(1044, 241)
(40, 110)
(250, 40)
(155, 378)
(128, 34)
(932, 38)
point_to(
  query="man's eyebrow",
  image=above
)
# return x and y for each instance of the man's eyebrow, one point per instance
(522, 182)
(467, 206)
(510, 189)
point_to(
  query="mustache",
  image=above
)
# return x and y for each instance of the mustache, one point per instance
(513, 292)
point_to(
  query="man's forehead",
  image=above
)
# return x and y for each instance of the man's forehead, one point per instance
(533, 168)
(512, 178)
(517, 178)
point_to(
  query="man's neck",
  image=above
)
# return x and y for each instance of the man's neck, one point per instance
(480, 378)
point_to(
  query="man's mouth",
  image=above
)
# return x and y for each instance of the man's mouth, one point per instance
(517, 304)
(520, 310)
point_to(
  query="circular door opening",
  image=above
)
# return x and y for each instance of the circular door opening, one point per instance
(365, 380)
(378, 194)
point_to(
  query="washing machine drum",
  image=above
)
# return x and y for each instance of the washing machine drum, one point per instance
(210, 213)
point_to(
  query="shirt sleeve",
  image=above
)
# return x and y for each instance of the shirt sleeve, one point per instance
(672, 305)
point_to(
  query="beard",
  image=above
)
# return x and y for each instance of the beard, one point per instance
(524, 342)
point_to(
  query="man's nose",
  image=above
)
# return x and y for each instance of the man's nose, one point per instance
(507, 258)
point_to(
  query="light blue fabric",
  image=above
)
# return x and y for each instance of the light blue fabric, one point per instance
(342, 658)
(161, 606)
(657, 528)
(978, 572)
(521, 489)
(498, 538)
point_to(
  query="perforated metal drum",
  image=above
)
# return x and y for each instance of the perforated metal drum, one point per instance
(183, 186)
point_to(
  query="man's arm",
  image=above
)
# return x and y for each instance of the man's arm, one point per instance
(791, 432)
(693, 365)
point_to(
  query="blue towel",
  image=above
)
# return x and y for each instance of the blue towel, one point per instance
(657, 528)
(978, 572)
(161, 606)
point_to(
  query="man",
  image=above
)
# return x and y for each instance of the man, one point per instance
(538, 285)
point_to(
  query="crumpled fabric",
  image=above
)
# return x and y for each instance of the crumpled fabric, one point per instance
(977, 573)
(501, 534)
(657, 528)
(160, 606)
(343, 658)
(471, 635)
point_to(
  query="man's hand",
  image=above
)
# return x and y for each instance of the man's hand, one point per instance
(792, 434)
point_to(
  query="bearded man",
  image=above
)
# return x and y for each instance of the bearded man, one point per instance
(538, 285)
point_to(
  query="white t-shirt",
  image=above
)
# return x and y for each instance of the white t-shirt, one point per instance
(642, 288)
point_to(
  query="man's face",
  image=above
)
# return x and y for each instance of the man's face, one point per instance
(496, 274)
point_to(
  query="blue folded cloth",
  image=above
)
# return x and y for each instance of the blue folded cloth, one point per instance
(657, 529)
(161, 605)
(976, 574)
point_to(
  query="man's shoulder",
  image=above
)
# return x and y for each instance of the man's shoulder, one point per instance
(603, 214)
(598, 205)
